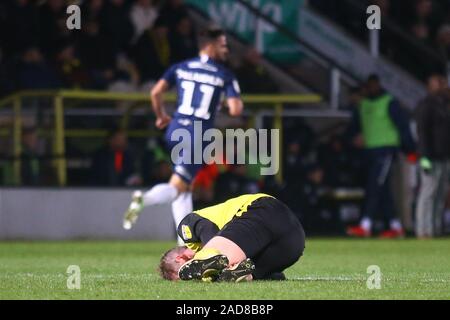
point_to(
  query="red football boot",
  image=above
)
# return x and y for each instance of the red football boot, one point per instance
(358, 231)
(392, 234)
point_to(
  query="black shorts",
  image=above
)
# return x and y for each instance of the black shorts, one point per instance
(268, 233)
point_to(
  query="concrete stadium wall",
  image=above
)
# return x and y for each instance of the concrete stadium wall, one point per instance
(65, 214)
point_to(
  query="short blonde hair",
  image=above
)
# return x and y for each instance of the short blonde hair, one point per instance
(167, 265)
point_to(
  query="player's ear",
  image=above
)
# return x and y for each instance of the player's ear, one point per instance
(185, 256)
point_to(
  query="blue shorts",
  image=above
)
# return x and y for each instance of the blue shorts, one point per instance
(186, 147)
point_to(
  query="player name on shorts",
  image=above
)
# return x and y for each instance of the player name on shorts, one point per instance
(249, 146)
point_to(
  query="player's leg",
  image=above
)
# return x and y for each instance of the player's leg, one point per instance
(184, 174)
(270, 235)
(280, 255)
(441, 175)
(228, 248)
(287, 244)
(181, 207)
(240, 237)
(163, 193)
(378, 168)
(248, 235)
(387, 208)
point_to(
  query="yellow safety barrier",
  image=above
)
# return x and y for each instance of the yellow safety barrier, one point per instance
(59, 97)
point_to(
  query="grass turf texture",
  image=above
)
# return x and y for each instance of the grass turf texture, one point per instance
(329, 269)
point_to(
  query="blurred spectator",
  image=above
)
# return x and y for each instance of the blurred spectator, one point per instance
(385, 7)
(296, 129)
(447, 215)
(355, 97)
(33, 171)
(69, 67)
(203, 185)
(340, 164)
(142, 15)
(4, 87)
(113, 164)
(422, 33)
(93, 10)
(233, 183)
(405, 21)
(425, 12)
(253, 77)
(156, 166)
(34, 73)
(183, 42)
(172, 12)
(312, 206)
(443, 41)
(433, 124)
(126, 76)
(20, 26)
(384, 131)
(152, 52)
(97, 54)
(52, 26)
(295, 162)
(3, 19)
(117, 25)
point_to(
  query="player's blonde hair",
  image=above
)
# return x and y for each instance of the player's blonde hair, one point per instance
(167, 265)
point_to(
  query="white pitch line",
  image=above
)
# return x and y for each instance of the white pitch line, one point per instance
(312, 278)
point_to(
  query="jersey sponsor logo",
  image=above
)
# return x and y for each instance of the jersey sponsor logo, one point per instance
(201, 65)
(186, 232)
(200, 77)
(184, 122)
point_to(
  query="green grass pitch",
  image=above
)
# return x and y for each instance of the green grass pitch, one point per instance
(329, 269)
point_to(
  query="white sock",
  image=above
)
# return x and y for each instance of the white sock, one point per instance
(162, 193)
(396, 225)
(366, 224)
(181, 207)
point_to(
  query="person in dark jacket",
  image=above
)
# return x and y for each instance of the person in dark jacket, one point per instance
(433, 130)
(384, 131)
(113, 164)
(34, 73)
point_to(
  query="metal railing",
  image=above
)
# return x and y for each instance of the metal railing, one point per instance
(275, 104)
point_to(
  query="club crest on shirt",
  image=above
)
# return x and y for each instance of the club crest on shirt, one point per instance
(186, 231)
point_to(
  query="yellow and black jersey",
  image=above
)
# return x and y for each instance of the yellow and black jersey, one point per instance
(201, 225)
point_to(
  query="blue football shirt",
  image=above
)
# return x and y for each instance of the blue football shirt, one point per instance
(200, 82)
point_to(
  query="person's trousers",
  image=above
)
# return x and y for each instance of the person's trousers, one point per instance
(431, 199)
(378, 190)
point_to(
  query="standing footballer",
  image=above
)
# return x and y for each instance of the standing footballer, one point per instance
(200, 83)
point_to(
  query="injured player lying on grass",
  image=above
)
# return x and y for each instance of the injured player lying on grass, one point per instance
(251, 237)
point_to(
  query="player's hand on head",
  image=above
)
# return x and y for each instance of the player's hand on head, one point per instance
(163, 121)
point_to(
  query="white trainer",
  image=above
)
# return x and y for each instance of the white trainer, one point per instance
(135, 208)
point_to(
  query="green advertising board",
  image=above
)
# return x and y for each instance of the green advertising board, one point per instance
(235, 17)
